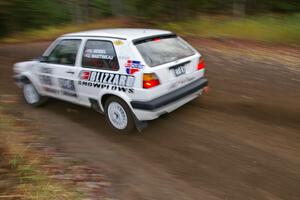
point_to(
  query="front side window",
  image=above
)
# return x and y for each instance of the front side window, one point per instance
(159, 51)
(99, 54)
(65, 52)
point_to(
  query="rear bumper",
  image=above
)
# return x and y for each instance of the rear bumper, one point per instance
(170, 97)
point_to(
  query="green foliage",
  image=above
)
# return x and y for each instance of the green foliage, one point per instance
(100, 8)
(266, 28)
(274, 29)
(20, 15)
(178, 9)
(16, 161)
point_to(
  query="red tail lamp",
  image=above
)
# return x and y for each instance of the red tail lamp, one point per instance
(201, 64)
(150, 80)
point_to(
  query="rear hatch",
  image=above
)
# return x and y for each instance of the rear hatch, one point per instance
(172, 60)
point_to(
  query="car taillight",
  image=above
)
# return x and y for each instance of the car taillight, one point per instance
(201, 64)
(150, 80)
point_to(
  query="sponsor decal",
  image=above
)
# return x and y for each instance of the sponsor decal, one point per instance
(98, 54)
(133, 66)
(66, 84)
(104, 80)
(85, 75)
(68, 87)
(118, 42)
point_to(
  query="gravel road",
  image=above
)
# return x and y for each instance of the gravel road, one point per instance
(240, 141)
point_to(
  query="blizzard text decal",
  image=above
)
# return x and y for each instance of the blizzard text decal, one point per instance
(106, 81)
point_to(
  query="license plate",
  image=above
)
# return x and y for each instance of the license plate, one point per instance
(179, 70)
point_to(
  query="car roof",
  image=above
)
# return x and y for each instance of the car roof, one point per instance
(120, 33)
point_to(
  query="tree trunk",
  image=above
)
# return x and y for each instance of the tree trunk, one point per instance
(239, 8)
(86, 10)
(76, 11)
(117, 7)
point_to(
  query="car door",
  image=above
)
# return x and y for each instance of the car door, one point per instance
(99, 67)
(59, 73)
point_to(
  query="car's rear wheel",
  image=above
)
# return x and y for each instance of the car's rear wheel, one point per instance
(31, 95)
(119, 115)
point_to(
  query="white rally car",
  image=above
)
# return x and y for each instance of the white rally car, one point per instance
(130, 75)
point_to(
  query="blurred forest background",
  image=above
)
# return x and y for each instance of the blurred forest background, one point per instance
(21, 15)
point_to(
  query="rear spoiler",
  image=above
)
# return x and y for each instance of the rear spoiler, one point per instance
(150, 38)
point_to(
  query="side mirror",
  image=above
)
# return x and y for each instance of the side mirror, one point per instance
(43, 59)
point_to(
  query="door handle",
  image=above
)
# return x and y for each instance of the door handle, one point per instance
(70, 72)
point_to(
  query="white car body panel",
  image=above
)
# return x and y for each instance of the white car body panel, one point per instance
(85, 90)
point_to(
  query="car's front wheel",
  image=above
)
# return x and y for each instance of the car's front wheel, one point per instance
(119, 115)
(31, 95)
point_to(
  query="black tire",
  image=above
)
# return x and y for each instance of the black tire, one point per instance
(130, 120)
(40, 100)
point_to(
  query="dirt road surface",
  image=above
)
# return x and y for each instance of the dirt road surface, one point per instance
(241, 141)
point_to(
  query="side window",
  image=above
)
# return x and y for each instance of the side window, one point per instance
(100, 55)
(65, 52)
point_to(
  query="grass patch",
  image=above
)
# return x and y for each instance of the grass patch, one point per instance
(271, 29)
(33, 183)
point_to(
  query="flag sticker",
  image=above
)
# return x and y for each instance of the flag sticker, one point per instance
(133, 66)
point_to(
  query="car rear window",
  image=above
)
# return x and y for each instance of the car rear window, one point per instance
(158, 51)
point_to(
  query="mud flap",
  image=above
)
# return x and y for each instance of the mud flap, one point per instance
(140, 125)
(95, 105)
